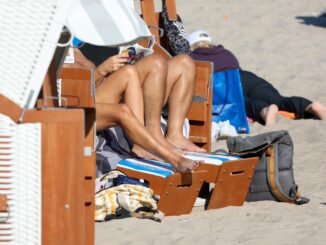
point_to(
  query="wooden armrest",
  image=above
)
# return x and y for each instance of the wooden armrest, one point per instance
(76, 73)
(9, 108)
(198, 139)
(204, 71)
(77, 87)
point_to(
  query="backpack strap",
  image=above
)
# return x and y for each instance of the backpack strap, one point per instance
(273, 181)
(146, 215)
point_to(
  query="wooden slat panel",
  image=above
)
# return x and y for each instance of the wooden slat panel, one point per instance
(172, 9)
(77, 93)
(49, 88)
(198, 139)
(9, 108)
(197, 112)
(76, 73)
(63, 215)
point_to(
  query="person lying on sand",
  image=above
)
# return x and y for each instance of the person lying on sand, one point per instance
(262, 100)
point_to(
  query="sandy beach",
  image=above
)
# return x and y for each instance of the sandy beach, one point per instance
(284, 42)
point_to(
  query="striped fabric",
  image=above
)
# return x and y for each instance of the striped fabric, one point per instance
(160, 169)
(215, 159)
(108, 202)
(164, 170)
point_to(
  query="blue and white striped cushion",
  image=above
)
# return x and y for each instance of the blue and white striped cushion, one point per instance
(160, 169)
(215, 159)
(164, 170)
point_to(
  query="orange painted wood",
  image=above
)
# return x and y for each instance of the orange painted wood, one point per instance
(148, 14)
(89, 174)
(200, 114)
(172, 9)
(9, 108)
(177, 193)
(49, 87)
(63, 211)
(68, 177)
(232, 183)
(77, 93)
(76, 85)
(198, 139)
(232, 180)
(3, 203)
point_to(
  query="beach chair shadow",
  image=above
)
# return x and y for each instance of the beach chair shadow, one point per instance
(319, 21)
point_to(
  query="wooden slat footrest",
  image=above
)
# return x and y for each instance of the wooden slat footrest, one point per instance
(177, 193)
(232, 183)
(231, 176)
(198, 139)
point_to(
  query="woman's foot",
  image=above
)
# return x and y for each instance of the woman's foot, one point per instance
(140, 152)
(184, 144)
(317, 109)
(165, 143)
(184, 165)
(269, 114)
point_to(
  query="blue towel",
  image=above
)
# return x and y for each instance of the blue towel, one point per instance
(228, 100)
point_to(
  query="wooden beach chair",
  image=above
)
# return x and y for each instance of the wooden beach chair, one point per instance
(177, 192)
(200, 114)
(45, 153)
(230, 176)
(72, 87)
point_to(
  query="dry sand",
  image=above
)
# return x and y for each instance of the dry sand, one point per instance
(269, 40)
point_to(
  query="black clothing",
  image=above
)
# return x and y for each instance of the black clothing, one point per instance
(98, 54)
(258, 92)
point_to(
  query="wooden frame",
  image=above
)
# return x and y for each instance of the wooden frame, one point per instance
(77, 87)
(231, 179)
(177, 192)
(63, 192)
(78, 92)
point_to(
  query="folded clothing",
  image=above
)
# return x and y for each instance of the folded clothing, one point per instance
(223, 130)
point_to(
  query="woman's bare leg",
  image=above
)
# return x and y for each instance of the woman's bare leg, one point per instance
(317, 109)
(269, 114)
(108, 115)
(123, 84)
(179, 92)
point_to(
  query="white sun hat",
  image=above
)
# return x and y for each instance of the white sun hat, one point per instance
(198, 36)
